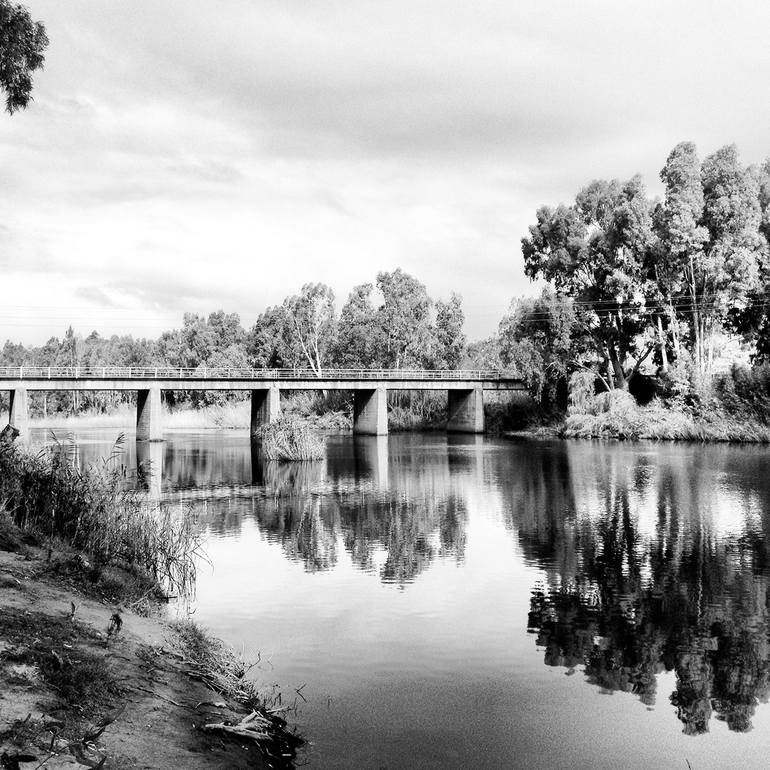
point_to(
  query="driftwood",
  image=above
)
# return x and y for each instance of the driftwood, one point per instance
(8, 435)
(254, 727)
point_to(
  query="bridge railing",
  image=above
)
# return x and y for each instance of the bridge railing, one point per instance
(235, 373)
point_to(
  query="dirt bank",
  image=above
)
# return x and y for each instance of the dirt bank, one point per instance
(84, 683)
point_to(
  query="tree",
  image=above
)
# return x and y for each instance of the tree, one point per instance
(360, 338)
(22, 46)
(543, 340)
(734, 256)
(404, 318)
(266, 344)
(313, 324)
(450, 339)
(597, 252)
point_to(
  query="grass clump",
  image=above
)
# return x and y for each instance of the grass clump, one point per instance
(93, 511)
(290, 439)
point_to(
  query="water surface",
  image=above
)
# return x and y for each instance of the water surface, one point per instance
(455, 602)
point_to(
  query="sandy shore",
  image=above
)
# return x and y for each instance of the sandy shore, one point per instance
(76, 691)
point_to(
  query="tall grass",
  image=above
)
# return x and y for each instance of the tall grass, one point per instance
(290, 439)
(617, 415)
(93, 510)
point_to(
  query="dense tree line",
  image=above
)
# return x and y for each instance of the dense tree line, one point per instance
(391, 324)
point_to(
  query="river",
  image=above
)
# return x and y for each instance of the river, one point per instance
(466, 602)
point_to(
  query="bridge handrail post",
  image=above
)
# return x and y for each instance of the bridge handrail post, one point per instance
(21, 372)
(49, 372)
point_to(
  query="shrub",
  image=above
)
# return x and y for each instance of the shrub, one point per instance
(290, 439)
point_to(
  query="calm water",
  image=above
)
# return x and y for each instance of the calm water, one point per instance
(474, 603)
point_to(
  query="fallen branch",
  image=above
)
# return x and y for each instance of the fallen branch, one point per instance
(253, 727)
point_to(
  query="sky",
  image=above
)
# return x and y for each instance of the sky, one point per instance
(191, 156)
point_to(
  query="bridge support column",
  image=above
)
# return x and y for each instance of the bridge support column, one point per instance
(370, 412)
(265, 407)
(19, 416)
(148, 415)
(465, 411)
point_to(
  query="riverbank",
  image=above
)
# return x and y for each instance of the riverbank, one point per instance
(86, 677)
(616, 415)
(90, 670)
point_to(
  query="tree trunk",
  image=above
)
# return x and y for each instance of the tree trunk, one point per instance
(618, 375)
(662, 338)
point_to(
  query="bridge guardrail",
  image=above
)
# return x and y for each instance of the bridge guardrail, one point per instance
(234, 373)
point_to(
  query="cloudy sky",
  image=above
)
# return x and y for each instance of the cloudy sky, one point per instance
(196, 155)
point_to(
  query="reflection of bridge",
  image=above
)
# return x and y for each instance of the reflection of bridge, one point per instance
(465, 389)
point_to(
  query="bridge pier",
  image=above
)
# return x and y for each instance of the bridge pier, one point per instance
(149, 425)
(265, 407)
(18, 414)
(465, 411)
(370, 412)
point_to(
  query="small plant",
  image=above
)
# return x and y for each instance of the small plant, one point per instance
(291, 440)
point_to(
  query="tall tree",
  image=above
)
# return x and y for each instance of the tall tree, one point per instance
(450, 338)
(597, 251)
(22, 47)
(736, 251)
(360, 338)
(311, 318)
(405, 319)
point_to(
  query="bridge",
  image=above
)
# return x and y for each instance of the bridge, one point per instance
(465, 388)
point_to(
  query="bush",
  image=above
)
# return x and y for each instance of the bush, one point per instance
(95, 512)
(290, 439)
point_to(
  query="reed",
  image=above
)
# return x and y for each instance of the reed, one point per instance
(95, 512)
(291, 440)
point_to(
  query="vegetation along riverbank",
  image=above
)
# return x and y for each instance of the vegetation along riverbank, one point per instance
(90, 670)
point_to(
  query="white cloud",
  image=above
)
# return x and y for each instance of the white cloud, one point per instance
(190, 155)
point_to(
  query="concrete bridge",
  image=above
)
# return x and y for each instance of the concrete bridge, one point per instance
(465, 388)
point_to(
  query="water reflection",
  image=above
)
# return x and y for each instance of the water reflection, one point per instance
(655, 561)
(389, 511)
(639, 569)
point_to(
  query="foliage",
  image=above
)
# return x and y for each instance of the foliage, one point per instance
(404, 318)
(359, 340)
(92, 510)
(596, 251)
(289, 439)
(22, 48)
(450, 340)
(655, 281)
(312, 322)
(540, 339)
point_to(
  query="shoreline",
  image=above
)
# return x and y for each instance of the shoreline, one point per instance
(84, 679)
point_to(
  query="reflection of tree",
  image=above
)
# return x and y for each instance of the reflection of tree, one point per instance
(399, 530)
(644, 574)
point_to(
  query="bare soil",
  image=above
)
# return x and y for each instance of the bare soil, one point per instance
(87, 683)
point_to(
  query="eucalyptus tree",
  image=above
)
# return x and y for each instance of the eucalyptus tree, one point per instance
(405, 320)
(312, 325)
(22, 51)
(735, 253)
(597, 252)
(360, 339)
(450, 340)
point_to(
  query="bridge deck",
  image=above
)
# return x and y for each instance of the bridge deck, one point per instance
(204, 378)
